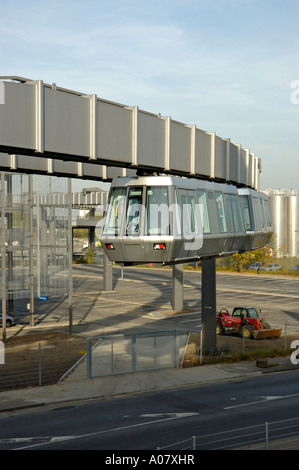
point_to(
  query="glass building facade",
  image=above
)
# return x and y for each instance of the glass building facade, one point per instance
(35, 236)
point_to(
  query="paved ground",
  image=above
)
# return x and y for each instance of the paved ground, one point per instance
(140, 301)
(135, 305)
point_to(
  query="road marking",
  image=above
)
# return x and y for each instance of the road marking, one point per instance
(270, 294)
(168, 415)
(122, 428)
(13, 440)
(268, 398)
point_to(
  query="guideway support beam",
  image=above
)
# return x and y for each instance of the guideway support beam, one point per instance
(208, 306)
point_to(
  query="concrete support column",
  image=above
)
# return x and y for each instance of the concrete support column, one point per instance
(3, 258)
(107, 274)
(9, 251)
(208, 306)
(70, 254)
(31, 269)
(177, 287)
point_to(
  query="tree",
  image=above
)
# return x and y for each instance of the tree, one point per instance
(261, 255)
(238, 260)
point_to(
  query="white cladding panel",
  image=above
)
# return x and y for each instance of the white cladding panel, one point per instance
(36, 118)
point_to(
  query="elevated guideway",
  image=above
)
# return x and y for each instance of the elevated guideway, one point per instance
(86, 134)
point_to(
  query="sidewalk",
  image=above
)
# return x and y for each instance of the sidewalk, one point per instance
(77, 387)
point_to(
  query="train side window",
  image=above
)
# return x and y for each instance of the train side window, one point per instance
(257, 213)
(263, 221)
(236, 214)
(194, 222)
(134, 210)
(202, 201)
(115, 212)
(246, 212)
(268, 213)
(157, 210)
(186, 215)
(177, 216)
(220, 212)
(229, 214)
(189, 213)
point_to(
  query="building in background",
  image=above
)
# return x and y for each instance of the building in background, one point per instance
(35, 237)
(284, 205)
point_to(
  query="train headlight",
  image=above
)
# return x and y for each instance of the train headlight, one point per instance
(159, 246)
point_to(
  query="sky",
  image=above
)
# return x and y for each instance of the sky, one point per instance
(227, 66)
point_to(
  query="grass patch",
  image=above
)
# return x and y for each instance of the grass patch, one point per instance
(227, 358)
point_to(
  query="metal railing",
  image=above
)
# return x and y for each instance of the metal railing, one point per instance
(282, 435)
(133, 352)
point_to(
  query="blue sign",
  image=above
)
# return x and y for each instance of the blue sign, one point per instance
(43, 297)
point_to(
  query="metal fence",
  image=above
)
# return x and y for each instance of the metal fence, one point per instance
(281, 435)
(38, 364)
(133, 352)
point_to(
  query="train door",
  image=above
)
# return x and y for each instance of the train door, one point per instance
(134, 224)
(134, 216)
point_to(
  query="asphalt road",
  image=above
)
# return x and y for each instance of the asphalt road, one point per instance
(216, 414)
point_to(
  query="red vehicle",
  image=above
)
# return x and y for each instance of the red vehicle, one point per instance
(246, 322)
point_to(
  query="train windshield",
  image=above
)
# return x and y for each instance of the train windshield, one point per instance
(115, 212)
(157, 210)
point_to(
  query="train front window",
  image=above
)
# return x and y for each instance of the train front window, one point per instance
(115, 212)
(157, 208)
(134, 211)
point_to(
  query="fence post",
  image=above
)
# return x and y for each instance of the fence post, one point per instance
(112, 356)
(133, 353)
(267, 436)
(88, 358)
(177, 348)
(39, 365)
(193, 442)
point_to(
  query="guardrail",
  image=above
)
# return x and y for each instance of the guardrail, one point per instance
(281, 435)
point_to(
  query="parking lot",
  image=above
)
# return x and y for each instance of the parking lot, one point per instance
(141, 300)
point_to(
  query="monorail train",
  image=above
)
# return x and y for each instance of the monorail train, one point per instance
(170, 219)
